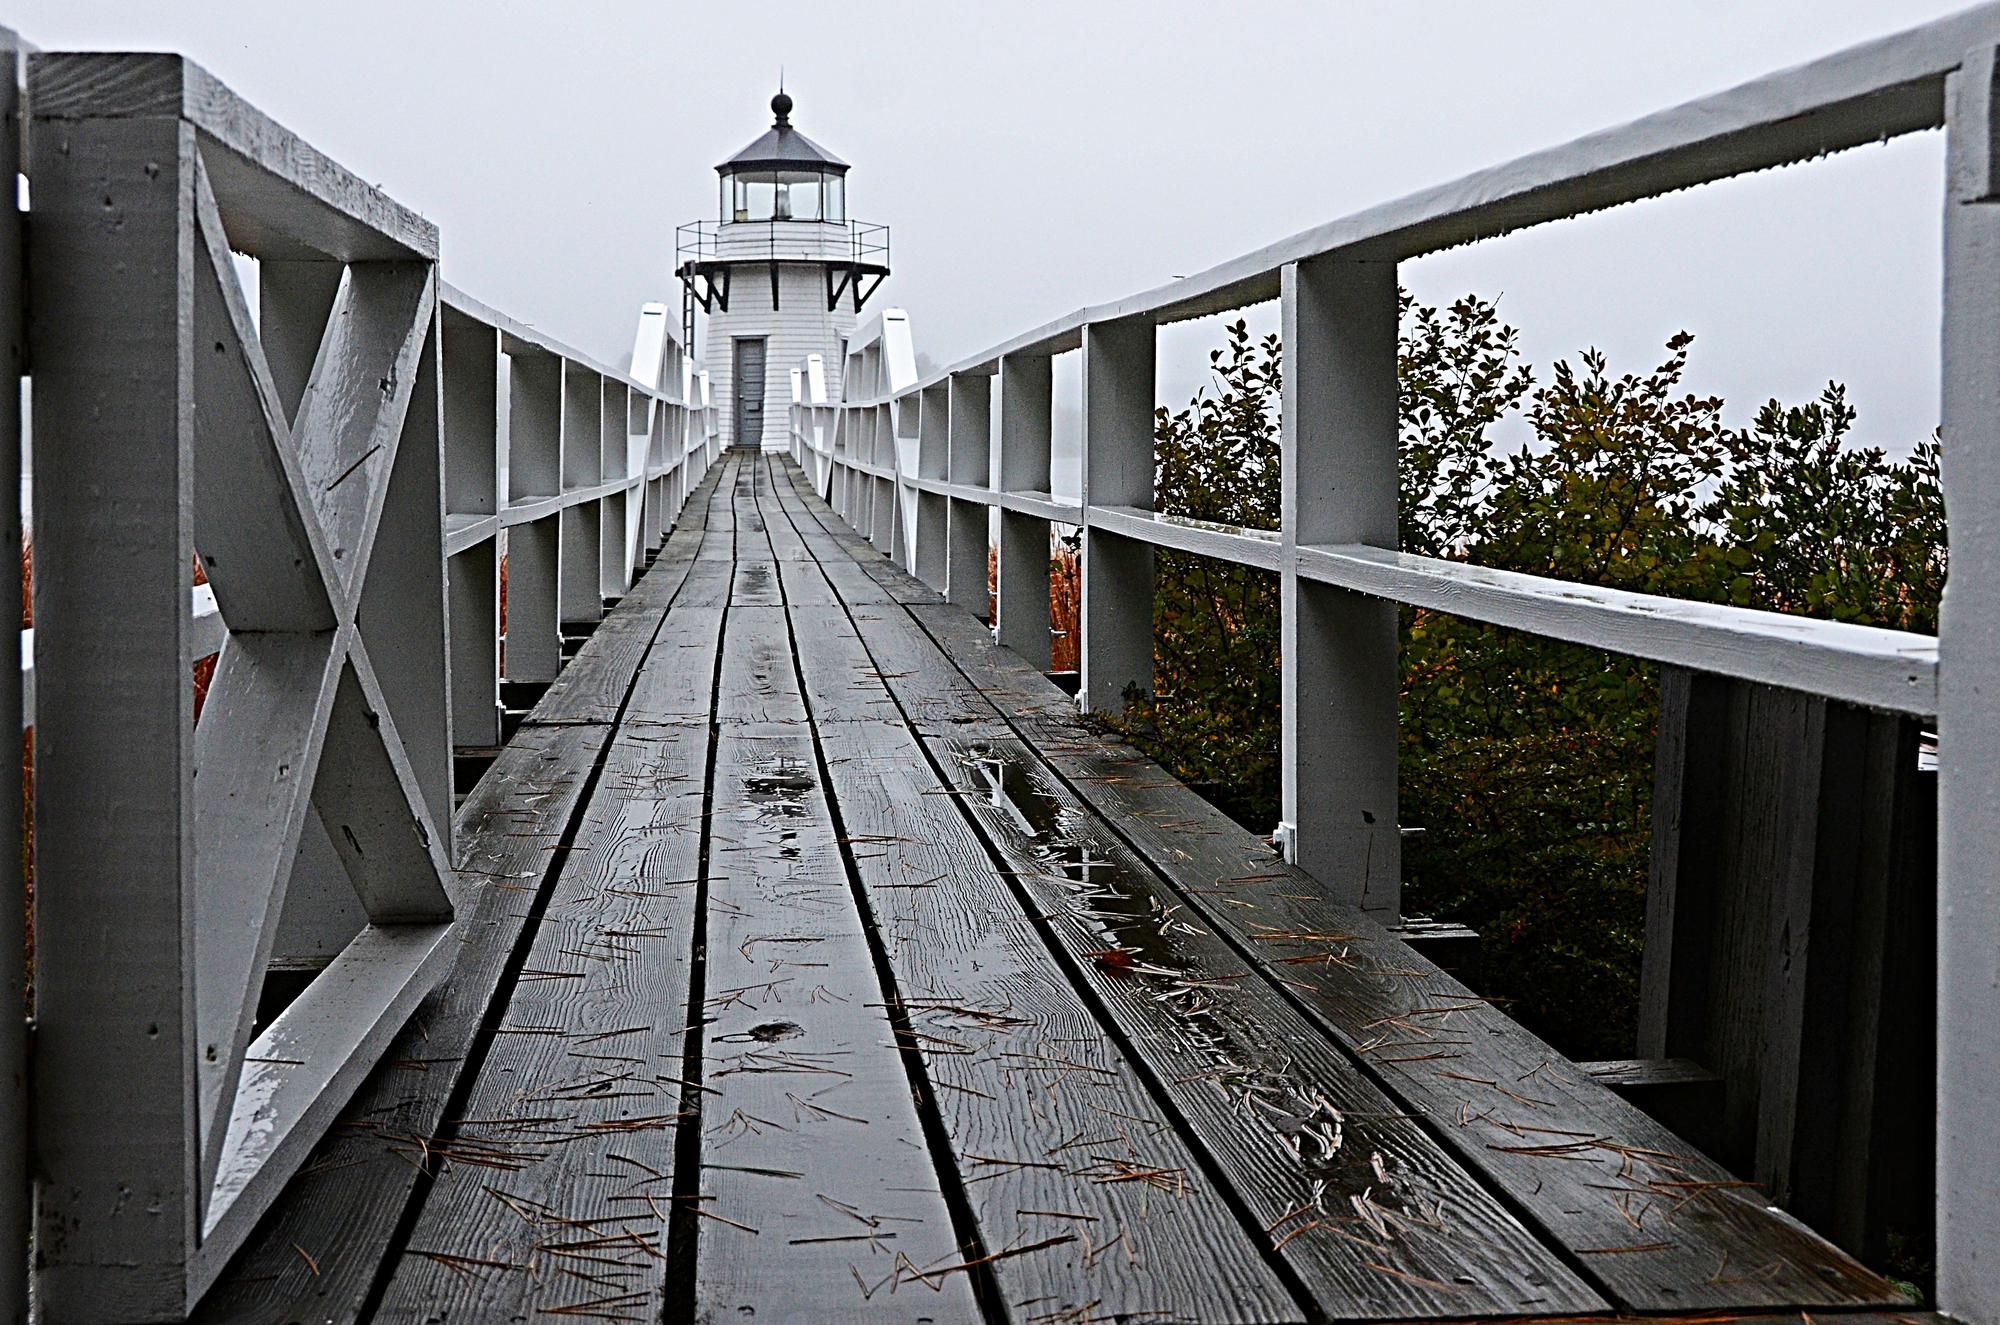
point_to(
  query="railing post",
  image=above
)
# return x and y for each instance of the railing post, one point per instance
(582, 467)
(534, 469)
(1339, 648)
(970, 464)
(15, 1201)
(1021, 607)
(888, 514)
(617, 526)
(1968, 971)
(128, 1122)
(473, 476)
(933, 463)
(1119, 365)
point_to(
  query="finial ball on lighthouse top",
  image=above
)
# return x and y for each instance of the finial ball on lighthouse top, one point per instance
(781, 106)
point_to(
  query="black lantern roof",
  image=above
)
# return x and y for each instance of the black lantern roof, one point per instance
(783, 148)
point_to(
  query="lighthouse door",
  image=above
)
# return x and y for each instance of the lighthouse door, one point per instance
(749, 379)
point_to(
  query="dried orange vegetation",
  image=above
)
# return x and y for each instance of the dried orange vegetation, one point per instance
(1065, 602)
(1065, 596)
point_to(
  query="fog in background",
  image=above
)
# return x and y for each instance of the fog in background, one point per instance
(1033, 158)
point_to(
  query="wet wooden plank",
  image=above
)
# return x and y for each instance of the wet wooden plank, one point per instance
(1657, 1226)
(553, 1189)
(1052, 1132)
(326, 1245)
(675, 688)
(557, 1178)
(1354, 1194)
(1654, 1224)
(317, 1254)
(818, 1195)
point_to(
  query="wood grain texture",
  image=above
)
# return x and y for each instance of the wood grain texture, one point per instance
(605, 673)
(819, 1198)
(809, 1133)
(1052, 1132)
(1311, 1147)
(553, 1187)
(344, 1207)
(1654, 1225)
(1586, 1169)
(554, 1183)
(317, 1253)
(576, 1111)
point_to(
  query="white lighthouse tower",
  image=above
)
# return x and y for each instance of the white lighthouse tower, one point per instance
(781, 274)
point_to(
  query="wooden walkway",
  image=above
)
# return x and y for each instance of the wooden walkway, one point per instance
(823, 968)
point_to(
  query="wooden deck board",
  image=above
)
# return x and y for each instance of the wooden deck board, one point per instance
(553, 1187)
(818, 1196)
(595, 683)
(325, 1247)
(568, 1138)
(1046, 1119)
(1313, 1147)
(1585, 1167)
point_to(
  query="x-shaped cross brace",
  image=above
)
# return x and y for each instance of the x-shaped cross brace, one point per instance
(298, 720)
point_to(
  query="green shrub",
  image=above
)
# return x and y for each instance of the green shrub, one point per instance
(1528, 762)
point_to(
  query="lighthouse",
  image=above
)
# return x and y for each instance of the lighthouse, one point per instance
(781, 273)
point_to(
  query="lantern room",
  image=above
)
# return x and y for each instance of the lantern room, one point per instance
(784, 176)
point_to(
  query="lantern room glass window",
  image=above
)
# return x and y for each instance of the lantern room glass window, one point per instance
(784, 195)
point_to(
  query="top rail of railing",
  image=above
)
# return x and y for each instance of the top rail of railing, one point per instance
(670, 389)
(1867, 93)
(863, 242)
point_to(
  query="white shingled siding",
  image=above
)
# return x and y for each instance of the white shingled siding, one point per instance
(799, 326)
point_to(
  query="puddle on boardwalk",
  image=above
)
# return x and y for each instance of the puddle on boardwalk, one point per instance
(777, 791)
(1137, 928)
(784, 780)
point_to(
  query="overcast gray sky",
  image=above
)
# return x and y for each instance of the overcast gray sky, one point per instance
(1034, 157)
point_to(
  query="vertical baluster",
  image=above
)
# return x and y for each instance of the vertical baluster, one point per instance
(1021, 607)
(933, 463)
(886, 513)
(582, 461)
(1339, 647)
(1119, 360)
(616, 512)
(533, 452)
(472, 480)
(1968, 972)
(970, 464)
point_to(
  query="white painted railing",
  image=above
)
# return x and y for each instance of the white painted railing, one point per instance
(352, 458)
(918, 466)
